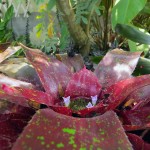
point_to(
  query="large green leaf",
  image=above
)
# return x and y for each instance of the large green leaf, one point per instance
(143, 67)
(51, 4)
(132, 33)
(125, 10)
(2, 34)
(9, 13)
(2, 25)
(146, 9)
(138, 47)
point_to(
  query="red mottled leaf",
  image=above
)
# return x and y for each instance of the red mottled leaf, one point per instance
(54, 74)
(133, 127)
(118, 92)
(8, 95)
(74, 63)
(141, 96)
(4, 105)
(14, 99)
(8, 107)
(83, 84)
(8, 52)
(137, 142)
(89, 112)
(8, 132)
(29, 94)
(18, 109)
(139, 117)
(14, 83)
(12, 124)
(115, 66)
(62, 110)
(37, 96)
(65, 132)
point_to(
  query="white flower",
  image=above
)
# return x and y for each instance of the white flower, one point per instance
(66, 101)
(94, 99)
(89, 105)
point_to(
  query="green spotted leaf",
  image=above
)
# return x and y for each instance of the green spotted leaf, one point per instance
(63, 132)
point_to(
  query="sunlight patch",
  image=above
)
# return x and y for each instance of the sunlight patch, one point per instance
(120, 69)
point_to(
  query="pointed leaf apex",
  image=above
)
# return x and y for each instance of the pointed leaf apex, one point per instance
(83, 84)
(29, 49)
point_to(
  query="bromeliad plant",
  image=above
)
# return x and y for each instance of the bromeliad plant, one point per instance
(81, 107)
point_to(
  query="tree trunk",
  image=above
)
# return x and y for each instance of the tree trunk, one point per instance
(76, 31)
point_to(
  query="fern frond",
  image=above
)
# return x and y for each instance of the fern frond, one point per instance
(84, 8)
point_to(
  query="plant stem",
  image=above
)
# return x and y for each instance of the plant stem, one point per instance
(76, 31)
(106, 26)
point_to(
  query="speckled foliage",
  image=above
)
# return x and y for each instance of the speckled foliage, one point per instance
(12, 121)
(73, 63)
(137, 142)
(53, 74)
(115, 66)
(65, 124)
(83, 84)
(49, 130)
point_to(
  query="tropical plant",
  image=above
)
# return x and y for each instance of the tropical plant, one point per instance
(128, 26)
(82, 15)
(81, 107)
(54, 30)
(93, 22)
(5, 33)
